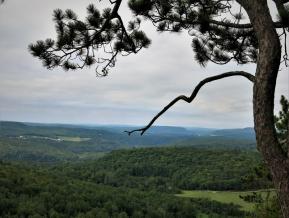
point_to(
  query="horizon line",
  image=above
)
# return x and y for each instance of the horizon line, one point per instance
(119, 124)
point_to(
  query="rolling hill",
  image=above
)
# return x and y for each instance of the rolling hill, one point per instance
(63, 142)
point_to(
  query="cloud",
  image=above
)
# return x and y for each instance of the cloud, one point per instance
(135, 90)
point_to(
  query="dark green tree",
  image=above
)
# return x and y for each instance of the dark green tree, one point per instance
(218, 35)
(281, 123)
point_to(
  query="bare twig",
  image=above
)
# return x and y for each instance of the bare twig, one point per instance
(193, 95)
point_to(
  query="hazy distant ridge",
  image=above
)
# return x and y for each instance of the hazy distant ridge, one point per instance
(57, 142)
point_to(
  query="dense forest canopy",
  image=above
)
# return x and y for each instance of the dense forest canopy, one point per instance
(30, 192)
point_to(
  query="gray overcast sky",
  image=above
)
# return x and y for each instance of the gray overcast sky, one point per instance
(135, 90)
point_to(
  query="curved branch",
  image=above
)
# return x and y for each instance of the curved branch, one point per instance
(193, 95)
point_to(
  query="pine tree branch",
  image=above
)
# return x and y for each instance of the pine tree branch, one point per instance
(113, 15)
(227, 24)
(126, 34)
(243, 26)
(193, 95)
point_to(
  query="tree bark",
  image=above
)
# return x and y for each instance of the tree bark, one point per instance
(263, 97)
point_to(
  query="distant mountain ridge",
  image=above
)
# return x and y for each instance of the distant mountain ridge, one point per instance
(248, 133)
(17, 128)
(57, 142)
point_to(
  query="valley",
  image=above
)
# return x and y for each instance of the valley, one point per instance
(94, 171)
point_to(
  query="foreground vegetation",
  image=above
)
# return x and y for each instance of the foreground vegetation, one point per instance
(30, 192)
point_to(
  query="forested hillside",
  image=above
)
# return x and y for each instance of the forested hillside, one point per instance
(38, 192)
(50, 143)
(85, 171)
(172, 169)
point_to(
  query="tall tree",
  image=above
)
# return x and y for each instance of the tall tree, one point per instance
(218, 35)
(269, 206)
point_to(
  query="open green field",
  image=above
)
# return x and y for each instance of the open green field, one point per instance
(73, 139)
(91, 155)
(227, 196)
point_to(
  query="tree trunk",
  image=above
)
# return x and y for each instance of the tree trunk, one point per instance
(263, 98)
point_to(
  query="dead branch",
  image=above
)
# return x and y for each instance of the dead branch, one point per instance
(193, 95)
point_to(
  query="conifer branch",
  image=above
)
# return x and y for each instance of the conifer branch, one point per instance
(193, 95)
(126, 34)
(244, 25)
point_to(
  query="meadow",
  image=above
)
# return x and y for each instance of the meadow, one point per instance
(228, 197)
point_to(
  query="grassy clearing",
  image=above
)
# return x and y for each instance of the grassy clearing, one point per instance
(226, 197)
(73, 139)
(91, 155)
